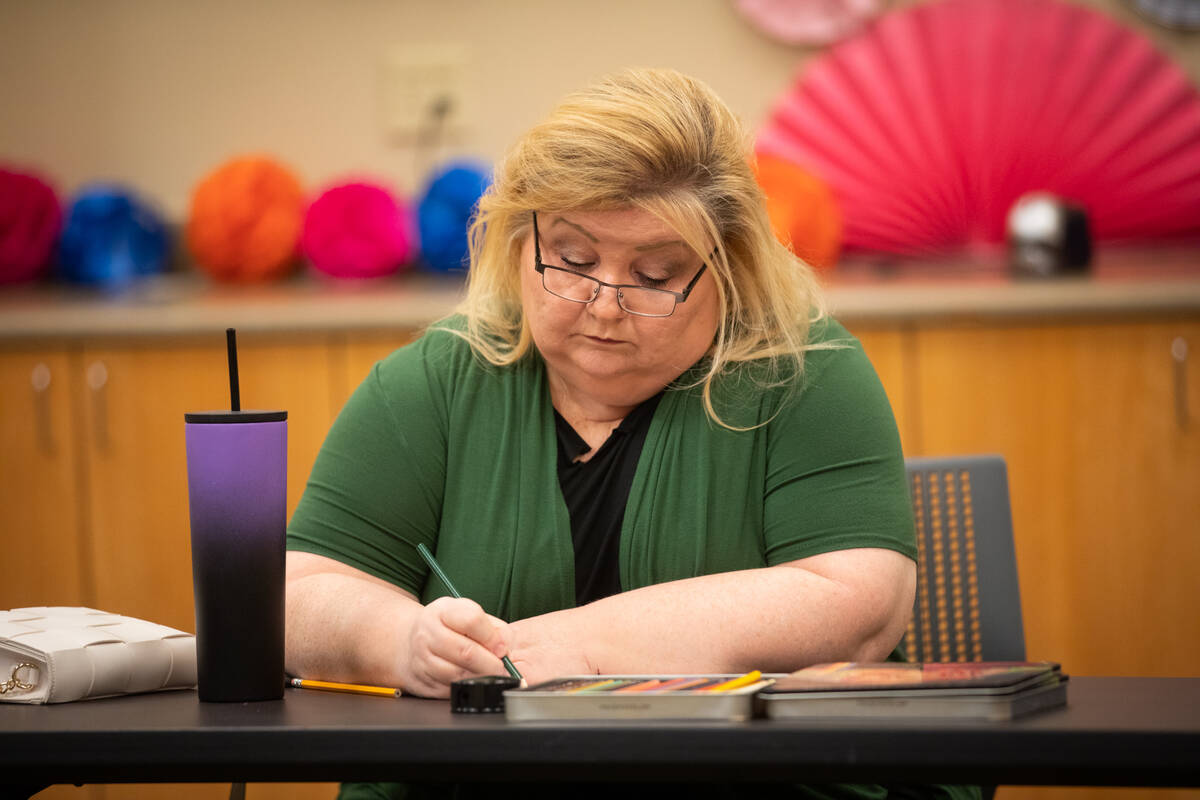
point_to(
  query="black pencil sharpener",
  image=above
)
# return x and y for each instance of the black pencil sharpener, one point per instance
(482, 695)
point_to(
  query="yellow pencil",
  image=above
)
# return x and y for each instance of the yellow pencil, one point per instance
(350, 688)
(735, 683)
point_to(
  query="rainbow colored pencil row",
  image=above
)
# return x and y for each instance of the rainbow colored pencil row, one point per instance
(657, 685)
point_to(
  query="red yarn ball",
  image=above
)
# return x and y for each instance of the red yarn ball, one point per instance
(245, 220)
(30, 220)
(357, 230)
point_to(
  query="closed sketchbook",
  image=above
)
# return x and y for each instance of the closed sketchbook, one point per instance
(971, 690)
(627, 697)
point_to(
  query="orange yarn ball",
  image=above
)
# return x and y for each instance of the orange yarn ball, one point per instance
(804, 213)
(245, 220)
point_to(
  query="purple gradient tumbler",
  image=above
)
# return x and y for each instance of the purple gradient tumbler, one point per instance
(237, 497)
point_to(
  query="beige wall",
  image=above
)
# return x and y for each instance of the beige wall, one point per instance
(154, 93)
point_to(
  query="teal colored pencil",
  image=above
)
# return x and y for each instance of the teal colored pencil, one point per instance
(444, 578)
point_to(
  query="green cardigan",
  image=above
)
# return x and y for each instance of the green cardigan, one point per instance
(437, 447)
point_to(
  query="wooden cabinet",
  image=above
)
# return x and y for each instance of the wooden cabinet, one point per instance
(42, 551)
(93, 478)
(1100, 425)
(1099, 422)
(94, 469)
(136, 492)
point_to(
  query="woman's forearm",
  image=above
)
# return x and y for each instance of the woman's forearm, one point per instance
(846, 606)
(342, 628)
(347, 625)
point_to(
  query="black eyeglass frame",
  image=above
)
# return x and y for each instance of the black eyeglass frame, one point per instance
(680, 297)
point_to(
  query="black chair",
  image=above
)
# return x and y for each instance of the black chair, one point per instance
(968, 602)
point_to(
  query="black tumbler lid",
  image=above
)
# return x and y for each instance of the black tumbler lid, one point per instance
(480, 695)
(227, 416)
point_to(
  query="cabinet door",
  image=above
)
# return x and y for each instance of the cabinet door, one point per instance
(1100, 424)
(42, 549)
(134, 404)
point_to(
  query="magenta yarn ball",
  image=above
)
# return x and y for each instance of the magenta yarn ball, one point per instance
(358, 230)
(30, 220)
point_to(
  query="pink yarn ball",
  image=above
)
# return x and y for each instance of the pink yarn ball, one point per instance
(357, 230)
(30, 220)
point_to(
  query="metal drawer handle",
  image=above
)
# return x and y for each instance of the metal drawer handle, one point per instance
(1179, 354)
(97, 381)
(40, 379)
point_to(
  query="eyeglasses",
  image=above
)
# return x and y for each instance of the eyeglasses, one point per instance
(579, 288)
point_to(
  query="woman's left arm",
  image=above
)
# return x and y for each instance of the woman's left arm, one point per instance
(847, 605)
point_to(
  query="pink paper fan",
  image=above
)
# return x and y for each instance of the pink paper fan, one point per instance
(929, 126)
(812, 22)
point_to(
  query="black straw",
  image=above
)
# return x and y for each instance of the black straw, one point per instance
(235, 397)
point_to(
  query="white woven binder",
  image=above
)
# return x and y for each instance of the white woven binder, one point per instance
(59, 654)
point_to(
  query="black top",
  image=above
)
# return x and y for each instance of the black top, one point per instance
(596, 492)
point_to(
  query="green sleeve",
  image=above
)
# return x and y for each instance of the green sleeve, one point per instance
(835, 471)
(376, 488)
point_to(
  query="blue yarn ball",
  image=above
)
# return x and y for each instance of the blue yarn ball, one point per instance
(110, 238)
(444, 213)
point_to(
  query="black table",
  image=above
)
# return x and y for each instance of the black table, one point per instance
(1115, 731)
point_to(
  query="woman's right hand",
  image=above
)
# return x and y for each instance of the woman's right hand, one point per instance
(450, 639)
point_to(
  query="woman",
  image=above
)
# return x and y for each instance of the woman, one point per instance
(641, 447)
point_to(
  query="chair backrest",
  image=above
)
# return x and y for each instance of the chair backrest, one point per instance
(968, 603)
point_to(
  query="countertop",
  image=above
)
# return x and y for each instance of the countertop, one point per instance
(859, 291)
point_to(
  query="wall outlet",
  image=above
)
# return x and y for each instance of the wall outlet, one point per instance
(422, 91)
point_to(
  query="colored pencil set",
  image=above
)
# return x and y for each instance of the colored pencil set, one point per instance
(657, 685)
(728, 697)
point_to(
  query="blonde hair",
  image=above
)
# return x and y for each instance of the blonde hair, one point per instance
(657, 140)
